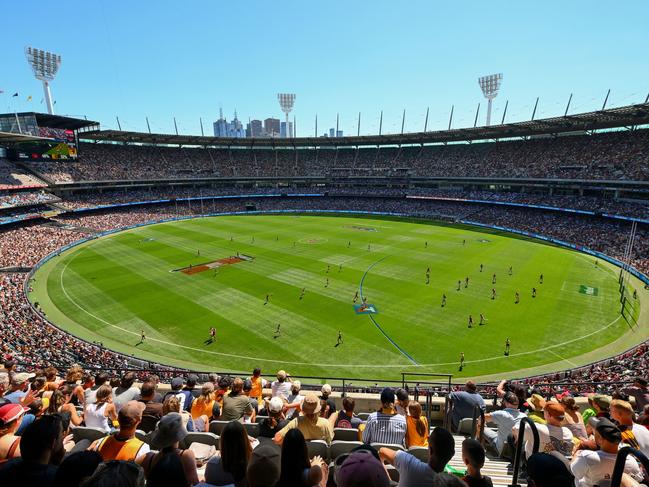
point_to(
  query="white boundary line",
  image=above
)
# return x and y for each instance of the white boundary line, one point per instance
(223, 354)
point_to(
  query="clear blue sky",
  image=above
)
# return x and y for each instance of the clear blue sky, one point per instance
(188, 58)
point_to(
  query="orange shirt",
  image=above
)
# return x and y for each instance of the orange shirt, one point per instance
(110, 448)
(257, 386)
(413, 438)
(200, 407)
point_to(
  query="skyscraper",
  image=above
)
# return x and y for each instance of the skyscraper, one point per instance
(282, 130)
(221, 125)
(254, 129)
(271, 127)
(223, 128)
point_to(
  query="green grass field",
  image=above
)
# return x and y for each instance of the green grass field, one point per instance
(110, 288)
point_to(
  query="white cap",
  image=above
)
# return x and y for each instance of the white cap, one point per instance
(276, 405)
(326, 389)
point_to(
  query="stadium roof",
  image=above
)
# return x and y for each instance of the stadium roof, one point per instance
(11, 138)
(627, 116)
(57, 121)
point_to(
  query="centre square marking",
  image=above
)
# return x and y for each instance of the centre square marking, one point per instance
(365, 309)
(233, 259)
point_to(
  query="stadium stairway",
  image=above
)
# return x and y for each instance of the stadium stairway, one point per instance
(498, 469)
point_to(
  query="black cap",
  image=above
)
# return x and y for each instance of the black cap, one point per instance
(546, 469)
(606, 429)
(387, 396)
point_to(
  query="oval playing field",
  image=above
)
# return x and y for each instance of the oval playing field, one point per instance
(245, 275)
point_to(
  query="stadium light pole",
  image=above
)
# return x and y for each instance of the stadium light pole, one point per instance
(286, 101)
(490, 85)
(45, 65)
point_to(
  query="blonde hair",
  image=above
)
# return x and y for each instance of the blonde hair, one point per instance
(103, 394)
(171, 405)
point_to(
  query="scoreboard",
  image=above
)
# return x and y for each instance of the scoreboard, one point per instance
(58, 143)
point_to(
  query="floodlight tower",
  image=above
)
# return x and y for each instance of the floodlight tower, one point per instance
(286, 101)
(45, 66)
(490, 85)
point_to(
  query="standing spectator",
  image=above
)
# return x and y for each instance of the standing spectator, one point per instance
(152, 410)
(236, 404)
(282, 386)
(346, 418)
(416, 426)
(385, 425)
(126, 391)
(552, 436)
(297, 470)
(101, 413)
(326, 396)
(230, 467)
(505, 419)
(294, 400)
(258, 384)
(41, 451)
(312, 426)
(633, 435)
(639, 392)
(473, 456)
(464, 403)
(158, 467)
(123, 445)
(412, 471)
(589, 467)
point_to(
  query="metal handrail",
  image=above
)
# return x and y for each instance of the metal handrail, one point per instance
(477, 428)
(519, 448)
(620, 462)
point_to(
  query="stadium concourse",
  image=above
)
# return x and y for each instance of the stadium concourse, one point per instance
(230, 428)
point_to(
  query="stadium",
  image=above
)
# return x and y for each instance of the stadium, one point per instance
(462, 278)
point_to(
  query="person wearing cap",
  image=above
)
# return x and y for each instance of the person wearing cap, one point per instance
(385, 425)
(633, 435)
(546, 470)
(505, 419)
(123, 445)
(11, 416)
(589, 467)
(312, 426)
(552, 436)
(166, 440)
(18, 391)
(282, 386)
(538, 403)
(361, 469)
(293, 404)
(639, 392)
(258, 384)
(412, 471)
(602, 403)
(189, 391)
(264, 466)
(176, 390)
(275, 421)
(464, 402)
(236, 404)
(247, 387)
(325, 392)
(589, 412)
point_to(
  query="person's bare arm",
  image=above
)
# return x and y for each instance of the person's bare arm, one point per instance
(387, 455)
(189, 465)
(500, 390)
(316, 472)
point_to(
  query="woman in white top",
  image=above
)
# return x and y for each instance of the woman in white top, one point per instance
(102, 413)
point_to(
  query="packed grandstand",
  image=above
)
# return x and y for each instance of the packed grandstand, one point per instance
(586, 190)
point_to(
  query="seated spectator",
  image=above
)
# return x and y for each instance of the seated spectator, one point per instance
(552, 436)
(159, 466)
(473, 456)
(117, 474)
(268, 427)
(282, 386)
(346, 418)
(538, 403)
(639, 392)
(602, 404)
(4, 386)
(416, 426)
(385, 425)
(589, 412)
(235, 404)
(505, 419)
(41, 451)
(176, 391)
(101, 414)
(633, 435)
(312, 426)
(230, 467)
(152, 409)
(11, 416)
(18, 392)
(189, 391)
(77, 467)
(573, 419)
(546, 470)
(247, 387)
(297, 470)
(61, 402)
(401, 402)
(412, 471)
(589, 467)
(126, 391)
(203, 406)
(123, 445)
(464, 403)
(361, 469)
(326, 396)
(90, 394)
(264, 466)
(172, 405)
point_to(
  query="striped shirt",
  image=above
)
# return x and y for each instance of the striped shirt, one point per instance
(385, 428)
